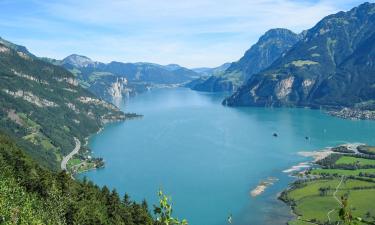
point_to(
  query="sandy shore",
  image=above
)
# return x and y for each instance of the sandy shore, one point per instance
(299, 167)
(263, 186)
(317, 155)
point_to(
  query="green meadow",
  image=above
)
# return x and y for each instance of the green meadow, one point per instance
(314, 197)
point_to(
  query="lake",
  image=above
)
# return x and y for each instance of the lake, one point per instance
(209, 157)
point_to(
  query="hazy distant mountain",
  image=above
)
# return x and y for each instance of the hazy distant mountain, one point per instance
(334, 65)
(207, 71)
(269, 47)
(78, 61)
(116, 79)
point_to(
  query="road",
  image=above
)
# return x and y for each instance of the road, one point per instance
(71, 154)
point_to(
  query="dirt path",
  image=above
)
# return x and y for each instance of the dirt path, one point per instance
(71, 154)
(335, 197)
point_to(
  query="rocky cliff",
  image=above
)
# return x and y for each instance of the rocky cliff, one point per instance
(333, 66)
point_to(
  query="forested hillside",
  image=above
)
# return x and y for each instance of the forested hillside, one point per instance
(31, 194)
(44, 108)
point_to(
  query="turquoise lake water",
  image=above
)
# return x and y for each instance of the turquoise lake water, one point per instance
(209, 157)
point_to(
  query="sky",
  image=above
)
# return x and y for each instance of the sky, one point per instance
(192, 33)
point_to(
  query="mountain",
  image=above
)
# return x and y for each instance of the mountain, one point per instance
(78, 61)
(206, 71)
(21, 50)
(333, 66)
(115, 79)
(269, 47)
(44, 108)
(210, 79)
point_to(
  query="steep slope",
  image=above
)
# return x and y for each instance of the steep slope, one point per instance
(44, 108)
(117, 79)
(269, 47)
(31, 194)
(333, 66)
(18, 48)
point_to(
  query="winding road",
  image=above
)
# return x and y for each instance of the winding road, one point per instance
(71, 154)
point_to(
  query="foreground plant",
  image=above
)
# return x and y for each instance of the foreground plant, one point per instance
(163, 212)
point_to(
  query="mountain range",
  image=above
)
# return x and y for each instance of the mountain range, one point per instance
(116, 79)
(269, 47)
(332, 66)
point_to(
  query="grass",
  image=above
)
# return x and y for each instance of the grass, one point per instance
(300, 63)
(313, 199)
(342, 172)
(311, 205)
(28, 122)
(86, 166)
(299, 222)
(97, 75)
(73, 162)
(353, 160)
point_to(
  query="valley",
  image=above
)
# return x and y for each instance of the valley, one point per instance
(220, 154)
(234, 143)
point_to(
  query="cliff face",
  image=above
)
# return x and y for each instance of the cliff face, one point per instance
(332, 66)
(261, 55)
(117, 88)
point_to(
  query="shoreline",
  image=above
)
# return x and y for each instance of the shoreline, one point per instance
(300, 168)
(298, 171)
(352, 114)
(128, 116)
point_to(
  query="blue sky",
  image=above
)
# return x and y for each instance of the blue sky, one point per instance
(192, 33)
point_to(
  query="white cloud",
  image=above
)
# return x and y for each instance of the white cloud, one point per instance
(192, 33)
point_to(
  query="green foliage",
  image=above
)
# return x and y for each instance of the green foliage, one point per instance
(345, 212)
(163, 212)
(314, 199)
(30, 194)
(46, 132)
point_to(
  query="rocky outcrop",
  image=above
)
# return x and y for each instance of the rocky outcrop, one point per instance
(69, 80)
(30, 97)
(117, 89)
(78, 61)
